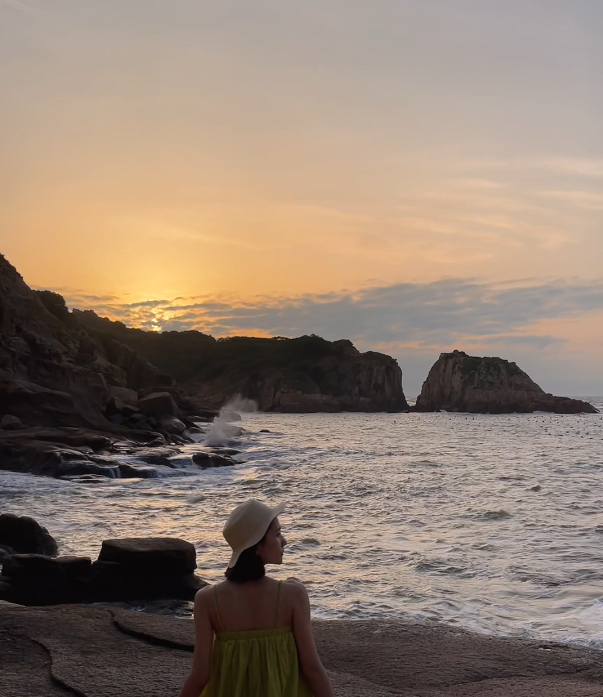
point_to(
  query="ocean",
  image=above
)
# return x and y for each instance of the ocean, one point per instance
(492, 523)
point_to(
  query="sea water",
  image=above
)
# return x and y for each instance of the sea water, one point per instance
(489, 522)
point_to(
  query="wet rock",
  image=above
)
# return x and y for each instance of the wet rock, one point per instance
(50, 460)
(156, 456)
(25, 535)
(207, 459)
(130, 470)
(171, 425)
(85, 478)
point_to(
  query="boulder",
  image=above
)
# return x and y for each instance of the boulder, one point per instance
(24, 535)
(11, 423)
(124, 395)
(171, 425)
(160, 556)
(28, 567)
(111, 581)
(50, 460)
(127, 570)
(158, 404)
(132, 470)
(459, 382)
(205, 459)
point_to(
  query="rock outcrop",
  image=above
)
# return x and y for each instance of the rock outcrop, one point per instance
(126, 570)
(110, 652)
(53, 372)
(458, 382)
(306, 374)
(23, 535)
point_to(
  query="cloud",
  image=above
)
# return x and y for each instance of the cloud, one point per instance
(421, 315)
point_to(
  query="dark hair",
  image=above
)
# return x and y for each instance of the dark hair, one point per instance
(249, 567)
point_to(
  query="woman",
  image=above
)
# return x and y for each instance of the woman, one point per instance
(263, 636)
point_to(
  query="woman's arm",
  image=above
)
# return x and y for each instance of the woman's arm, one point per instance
(309, 660)
(204, 636)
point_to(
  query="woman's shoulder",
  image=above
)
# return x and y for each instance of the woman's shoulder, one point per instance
(295, 589)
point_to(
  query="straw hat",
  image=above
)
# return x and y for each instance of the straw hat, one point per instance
(247, 524)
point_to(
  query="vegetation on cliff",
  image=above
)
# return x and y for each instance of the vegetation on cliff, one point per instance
(307, 373)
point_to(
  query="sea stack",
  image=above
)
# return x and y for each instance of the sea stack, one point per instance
(459, 382)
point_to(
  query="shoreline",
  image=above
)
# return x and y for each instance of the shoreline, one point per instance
(106, 651)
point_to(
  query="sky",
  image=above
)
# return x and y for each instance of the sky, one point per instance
(415, 175)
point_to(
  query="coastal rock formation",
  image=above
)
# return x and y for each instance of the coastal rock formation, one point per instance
(458, 382)
(126, 570)
(23, 535)
(53, 372)
(307, 374)
(111, 652)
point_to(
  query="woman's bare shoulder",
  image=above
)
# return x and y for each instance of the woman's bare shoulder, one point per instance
(205, 594)
(295, 589)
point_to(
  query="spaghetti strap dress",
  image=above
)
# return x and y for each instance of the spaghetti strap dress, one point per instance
(256, 663)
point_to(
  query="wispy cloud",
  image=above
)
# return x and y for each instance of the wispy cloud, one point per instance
(414, 314)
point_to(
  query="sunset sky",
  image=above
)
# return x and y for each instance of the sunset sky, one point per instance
(415, 175)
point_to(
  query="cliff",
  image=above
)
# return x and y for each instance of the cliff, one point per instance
(306, 374)
(458, 382)
(52, 371)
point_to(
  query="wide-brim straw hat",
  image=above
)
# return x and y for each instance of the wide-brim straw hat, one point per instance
(246, 526)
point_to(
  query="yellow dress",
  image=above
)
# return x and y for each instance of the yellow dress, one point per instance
(257, 663)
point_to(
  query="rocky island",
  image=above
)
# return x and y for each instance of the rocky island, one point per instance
(459, 382)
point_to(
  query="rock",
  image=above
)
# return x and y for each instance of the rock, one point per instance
(205, 459)
(171, 425)
(130, 470)
(70, 437)
(108, 651)
(11, 423)
(458, 382)
(38, 404)
(28, 567)
(124, 395)
(5, 551)
(156, 456)
(24, 535)
(50, 460)
(161, 556)
(127, 569)
(112, 582)
(158, 404)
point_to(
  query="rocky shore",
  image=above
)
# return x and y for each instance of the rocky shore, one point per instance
(108, 651)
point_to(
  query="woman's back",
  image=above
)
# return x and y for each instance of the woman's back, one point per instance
(253, 635)
(262, 604)
(254, 654)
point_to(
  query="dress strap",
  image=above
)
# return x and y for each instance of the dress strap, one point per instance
(278, 604)
(220, 623)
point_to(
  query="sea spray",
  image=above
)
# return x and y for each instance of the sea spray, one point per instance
(222, 430)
